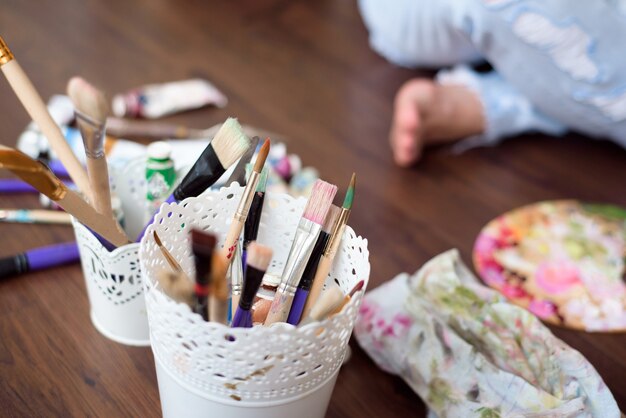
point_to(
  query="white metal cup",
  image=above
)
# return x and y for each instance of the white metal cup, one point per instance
(206, 369)
(115, 289)
(113, 279)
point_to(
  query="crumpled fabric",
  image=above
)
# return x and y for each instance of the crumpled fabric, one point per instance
(467, 352)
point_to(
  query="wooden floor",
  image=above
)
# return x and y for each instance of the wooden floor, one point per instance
(303, 69)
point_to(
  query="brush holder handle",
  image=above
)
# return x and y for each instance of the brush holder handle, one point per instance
(113, 279)
(276, 371)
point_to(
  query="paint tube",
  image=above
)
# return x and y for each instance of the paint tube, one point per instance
(157, 100)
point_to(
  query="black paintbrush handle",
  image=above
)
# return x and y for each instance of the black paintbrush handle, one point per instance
(204, 173)
(251, 285)
(251, 227)
(14, 265)
(306, 281)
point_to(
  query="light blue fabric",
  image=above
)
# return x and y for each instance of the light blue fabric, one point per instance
(558, 63)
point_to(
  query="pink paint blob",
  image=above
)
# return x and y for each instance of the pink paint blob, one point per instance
(542, 308)
(485, 245)
(492, 274)
(556, 277)
(513, 292)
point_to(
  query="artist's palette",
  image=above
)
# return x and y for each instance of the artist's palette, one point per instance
(562, 260)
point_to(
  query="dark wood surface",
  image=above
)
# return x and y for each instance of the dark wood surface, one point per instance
(300, 68)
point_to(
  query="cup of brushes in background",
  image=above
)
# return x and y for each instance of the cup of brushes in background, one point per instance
(208, 369)
(113, 279)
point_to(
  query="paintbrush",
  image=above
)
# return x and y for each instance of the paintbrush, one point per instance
(328, 301)
(232, 248)
(332, 246)
(203, 246)
(347, 297)
(35, 216)
(39, 176)
(15, 186)
(235, 269)
(250, 233)
(251, 226)
(176, 286)
(127, 128)
(131, 128)
(227, 146)
(239, 172)
(176, 267)
(259, 257)
(91, 108)
(38, 111)
(39, 259)
(218, 303)
(304, 286)
(309, 228)
(241, 214)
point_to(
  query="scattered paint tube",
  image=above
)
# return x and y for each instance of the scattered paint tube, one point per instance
(157, 100)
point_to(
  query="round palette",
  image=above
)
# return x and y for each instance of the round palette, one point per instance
(562, 260)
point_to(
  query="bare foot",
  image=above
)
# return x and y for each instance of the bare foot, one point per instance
(429, 113)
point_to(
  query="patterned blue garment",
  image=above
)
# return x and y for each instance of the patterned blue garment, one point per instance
(558, 64)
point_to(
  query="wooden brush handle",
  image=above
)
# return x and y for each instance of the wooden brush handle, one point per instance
(38, 111)
(218, 310)
(318, 283)
(339, 308)
(104, 226)
(123, 128)
(230, 244)
(281, 305)
(50, 217)
(99, 181)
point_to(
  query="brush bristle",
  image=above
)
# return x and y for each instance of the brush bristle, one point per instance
(262, 184)
(262, 156)
(88, 99)
(319, 202)
(259, 256)
(230, 142)
(157, 239)
(331, 218)
(168, 256)
(203, 239)
(347, 201)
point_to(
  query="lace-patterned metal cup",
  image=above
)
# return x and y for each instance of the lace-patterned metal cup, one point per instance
(113, 279)
(207, 369)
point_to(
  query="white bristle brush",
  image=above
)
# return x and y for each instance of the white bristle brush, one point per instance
(309, 228)
(91, 113)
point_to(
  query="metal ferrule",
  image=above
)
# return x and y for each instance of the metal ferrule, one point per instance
(5, 52)
(92, 133)
(299, 254)
(246, 198)
(335, 237)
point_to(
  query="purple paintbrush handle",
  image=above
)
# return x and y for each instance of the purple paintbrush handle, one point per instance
(299, 300)
(52, 255)
(16, 186)
(58, 169)
(170, 199)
